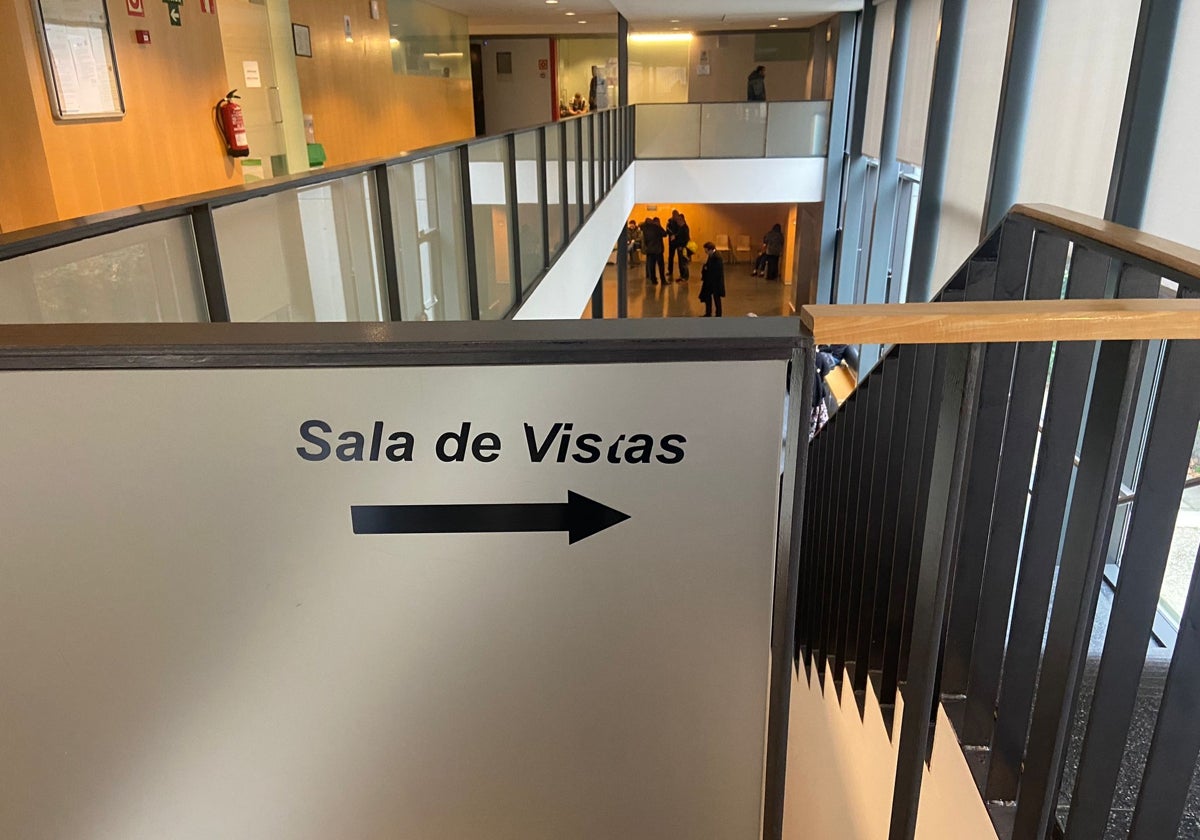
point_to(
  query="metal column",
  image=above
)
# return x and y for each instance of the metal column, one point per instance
(1153, 45)
(856, 166)
(839, 124)
(937, 150)
(1024, 36)
(889, 166)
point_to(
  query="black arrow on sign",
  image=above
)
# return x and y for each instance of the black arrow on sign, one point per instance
(579, 516)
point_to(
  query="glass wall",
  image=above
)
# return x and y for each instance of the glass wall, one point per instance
(493, 228)
(582, 59)
(733, 130)
(529, 208)
(587, 198)
(427, 215)
(658, 68)
(428, 41)
(310, 254)
(574, 188)
(316, 250)
(146, 273)
(555, 187)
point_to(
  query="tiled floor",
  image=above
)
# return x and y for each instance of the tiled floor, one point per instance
(744, 294)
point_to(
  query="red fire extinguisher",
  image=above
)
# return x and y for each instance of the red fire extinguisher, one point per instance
(232, 125)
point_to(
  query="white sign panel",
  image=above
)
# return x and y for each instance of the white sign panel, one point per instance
(251, 73)
(504, 603)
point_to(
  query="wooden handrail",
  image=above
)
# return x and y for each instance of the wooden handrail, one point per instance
(1003, 321)
(1153, 249)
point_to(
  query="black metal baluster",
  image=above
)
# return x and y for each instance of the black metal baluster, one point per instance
(1043, 534)
(899, 399)
(847, 558)
(922, 361)
(1176, 745)
(1012, 272)
(1118, 372)
(955, 417)
(881, 456)
(1151, 528)
(1011, 496)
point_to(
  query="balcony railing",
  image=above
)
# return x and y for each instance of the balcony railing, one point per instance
(733, 130)
(456, 232)
(963, 524)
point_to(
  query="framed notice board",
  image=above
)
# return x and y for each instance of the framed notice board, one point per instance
(78, 57)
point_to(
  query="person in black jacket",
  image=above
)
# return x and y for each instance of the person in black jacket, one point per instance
(672, 229)
(653, 235)
(756, 85)
(712, 280)
(683, 235)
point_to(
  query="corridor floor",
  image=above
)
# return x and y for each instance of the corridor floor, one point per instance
(743, 294)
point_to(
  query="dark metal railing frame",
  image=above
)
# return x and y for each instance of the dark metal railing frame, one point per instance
(941, 638)
(198, 211)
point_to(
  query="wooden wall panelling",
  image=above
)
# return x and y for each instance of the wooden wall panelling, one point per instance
(26, 191)
(166, 145)
(361, 108)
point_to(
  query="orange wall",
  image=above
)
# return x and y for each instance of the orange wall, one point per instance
(165, 145)
(26, 197)
(361, 108)
(708, 220)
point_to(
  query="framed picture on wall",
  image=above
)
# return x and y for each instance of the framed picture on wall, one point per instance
(302, 40)
(78, 58)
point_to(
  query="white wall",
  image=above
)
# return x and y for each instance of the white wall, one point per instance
(1078, 95)
(522, 98)
(841, 772)
(742, 181)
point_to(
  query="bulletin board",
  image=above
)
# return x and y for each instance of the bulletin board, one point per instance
(79, 60)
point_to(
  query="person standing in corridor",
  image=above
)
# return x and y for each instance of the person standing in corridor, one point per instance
(756, 85)
(679, 244)
(652, 244)
(672, 229)
(712, 281)
(773, 242)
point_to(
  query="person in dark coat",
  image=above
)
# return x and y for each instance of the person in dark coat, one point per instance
(756, 85)
(773, 242)
(653, 235)
(672, 228)
(712, 280)
(683, 235)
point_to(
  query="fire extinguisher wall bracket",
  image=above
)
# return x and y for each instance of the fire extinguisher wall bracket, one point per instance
(232, 125)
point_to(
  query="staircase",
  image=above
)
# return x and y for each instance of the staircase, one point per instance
(962, 509)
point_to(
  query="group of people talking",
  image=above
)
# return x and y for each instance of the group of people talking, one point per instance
(653, 239)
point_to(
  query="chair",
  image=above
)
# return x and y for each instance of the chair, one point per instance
(722, 243)
(742, 245)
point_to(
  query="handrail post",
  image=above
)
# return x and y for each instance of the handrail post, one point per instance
(387, 233)
(468, 218)
(204, 229)
(514, 220)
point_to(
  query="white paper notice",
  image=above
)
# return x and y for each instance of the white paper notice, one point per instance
(80, 69)
(250, 71)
